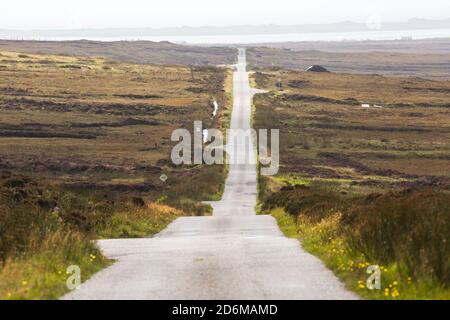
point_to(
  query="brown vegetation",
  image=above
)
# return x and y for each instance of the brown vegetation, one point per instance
(410, 228)
(326, 134)
(104, 125)
(363, 186)
(125, 51)
(359, 58)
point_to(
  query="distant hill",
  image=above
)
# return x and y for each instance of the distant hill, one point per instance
(346, 26)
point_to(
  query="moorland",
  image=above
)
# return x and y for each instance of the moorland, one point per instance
(85, 154)
(364, 176)
(85, 147)
(428, 58)
(128, 51)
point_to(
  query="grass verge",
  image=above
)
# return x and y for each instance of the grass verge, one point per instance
(416, 270)
(44, 230)
(138, 223)
(351, 267)
(41, 273)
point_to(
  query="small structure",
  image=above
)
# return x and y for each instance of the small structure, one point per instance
(279, 84)
(316, 68)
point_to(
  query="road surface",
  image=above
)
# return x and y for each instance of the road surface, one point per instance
(234, 254)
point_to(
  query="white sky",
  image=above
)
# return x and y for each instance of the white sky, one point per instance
(69, 14)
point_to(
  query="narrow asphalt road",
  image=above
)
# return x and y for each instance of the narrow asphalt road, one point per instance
(234, 254)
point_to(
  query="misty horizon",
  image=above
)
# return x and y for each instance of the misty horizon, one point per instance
(102, 14)
(261, 25)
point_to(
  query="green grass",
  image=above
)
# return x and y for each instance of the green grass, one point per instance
(39, 271)
(44, 230)
(326, 240)
(138, 223)
(285, 222)
(42, 274)
(293, 180)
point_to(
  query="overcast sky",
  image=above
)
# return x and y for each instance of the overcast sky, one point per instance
(64, 14)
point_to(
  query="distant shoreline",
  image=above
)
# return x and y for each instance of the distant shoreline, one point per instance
(263, 38)
(242, 34)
